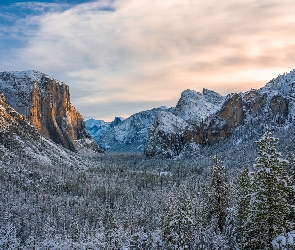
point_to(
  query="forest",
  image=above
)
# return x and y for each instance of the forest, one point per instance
(128, 201)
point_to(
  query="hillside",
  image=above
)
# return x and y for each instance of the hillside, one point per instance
(45, 102)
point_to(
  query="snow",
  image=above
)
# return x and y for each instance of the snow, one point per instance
(122, 134)
(195, 106)
(19, 85)
(166, 173)
(284, 242)
(170, 123)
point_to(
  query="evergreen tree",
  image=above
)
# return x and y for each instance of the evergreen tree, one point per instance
(179, 223)
(8, 239)
(49, 231)
(217, 197)
(168, 222)
(31, 242)
(291, 172)
(269, 208)
(243, 209)
(111, 230)
(74, 230)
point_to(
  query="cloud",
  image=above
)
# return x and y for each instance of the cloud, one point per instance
(140, 52)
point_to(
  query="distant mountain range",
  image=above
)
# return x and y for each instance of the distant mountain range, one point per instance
(201, 119)
(42, 105)
(123, 135)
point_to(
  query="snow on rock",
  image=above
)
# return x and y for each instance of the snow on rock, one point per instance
(165, 135)
(126, 134)
(195, 106)
(98, 128)
(213, 117)
(20, 142)
(283, 84)
(284, 242)
(45, 102)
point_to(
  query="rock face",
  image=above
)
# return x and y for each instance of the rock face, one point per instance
(195, 107)
(21, 143)
(202, 120)
(165, 135)
(45, 102)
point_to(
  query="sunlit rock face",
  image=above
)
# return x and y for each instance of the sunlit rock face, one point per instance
(206, 118)
(45, 102)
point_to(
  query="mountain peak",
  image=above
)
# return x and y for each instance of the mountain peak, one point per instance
(283, 84)
(195, 106)
(45, 102)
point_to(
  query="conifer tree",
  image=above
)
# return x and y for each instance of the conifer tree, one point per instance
(111, 230)
(217, 197)
(291, 172)
(8, 238)
(244, 208)
(178, 222)
(269, 208)
(74, 230)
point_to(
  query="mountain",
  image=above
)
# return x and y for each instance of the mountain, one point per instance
(98, 128)
(195, 106)
(123, 135)
(22, 144)
(173, 134)
(45, 102)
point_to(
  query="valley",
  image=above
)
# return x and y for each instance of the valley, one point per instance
(166, 178)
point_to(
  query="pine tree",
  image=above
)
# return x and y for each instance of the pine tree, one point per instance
(49, 231)
(291, 172)
(31, 242)
(217, 197)
(74, 230)
(178, 222)
(244, 208)
(111, 230)
(270, 190)
(8, 238)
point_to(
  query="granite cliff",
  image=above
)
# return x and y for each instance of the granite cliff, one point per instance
(45, 102)
(21, 143)
(214, 118)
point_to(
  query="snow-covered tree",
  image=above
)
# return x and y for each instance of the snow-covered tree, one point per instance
(291, 172)
(74, 230)
(31, 242)
(217, 197)
(270, 190)
(178, 222)
(8, 239)
(244, 208)
(111, 230)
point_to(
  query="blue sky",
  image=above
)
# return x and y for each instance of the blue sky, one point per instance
(123, 56)
(9, 2)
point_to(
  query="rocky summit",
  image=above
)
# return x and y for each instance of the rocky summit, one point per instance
(21, 144)
(45, 102)
(206, 118)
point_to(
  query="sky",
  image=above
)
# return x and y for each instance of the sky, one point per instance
(120, 57)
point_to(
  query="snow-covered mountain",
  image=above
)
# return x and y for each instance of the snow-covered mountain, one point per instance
(195, 106)
(131, 134)
(22, 144)
(98, 128)
(45, 102)
(123, 135)
(211, 117)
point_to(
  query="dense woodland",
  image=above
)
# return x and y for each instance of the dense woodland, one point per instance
(127, 201)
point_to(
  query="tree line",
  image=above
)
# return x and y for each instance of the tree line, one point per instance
(130, 202)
